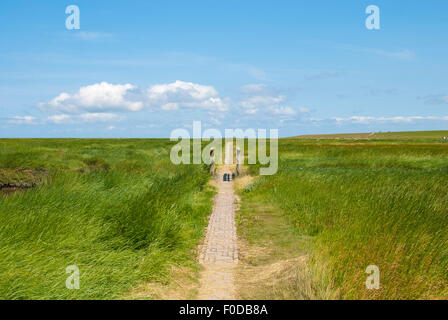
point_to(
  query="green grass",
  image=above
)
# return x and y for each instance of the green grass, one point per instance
(121, 212)
(364, 203)
(435, 135)
(117, 209)
(420, 136)
(272, 263)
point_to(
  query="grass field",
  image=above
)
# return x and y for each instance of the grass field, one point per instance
(354, 203)
(420, 136)
(125, 215)
(117, 209)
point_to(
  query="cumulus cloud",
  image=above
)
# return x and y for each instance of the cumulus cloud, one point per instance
(181, 90)
(103, 102)
(98, 97)
(175, 95)
(105, 97)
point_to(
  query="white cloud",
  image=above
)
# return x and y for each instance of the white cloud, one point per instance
(272, 104)
(22, 120)
(251, 111)
(283, 110)
(261, 97)
(98, 97)
(83, 118)
(170, 106)
(59, 118)
(98, 117)
(252, 104)
(398, 119)
(212, 104)
(66, 119)
(104, 97)
(181, 89)
(265, 100)
(175, 95)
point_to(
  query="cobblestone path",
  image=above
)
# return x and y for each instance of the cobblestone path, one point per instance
(219, 253)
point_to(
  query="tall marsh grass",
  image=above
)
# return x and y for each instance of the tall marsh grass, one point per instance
(376, 203)
(117, 209)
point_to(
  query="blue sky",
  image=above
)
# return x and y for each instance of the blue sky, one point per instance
(144, 68)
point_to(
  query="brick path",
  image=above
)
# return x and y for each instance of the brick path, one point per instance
(219, 253)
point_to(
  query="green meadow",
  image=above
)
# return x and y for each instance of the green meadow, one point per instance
(121, 212)
(354, 203)
(117, 209)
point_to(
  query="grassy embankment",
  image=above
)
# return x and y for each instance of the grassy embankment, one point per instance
(350, 204)
(117, 209)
